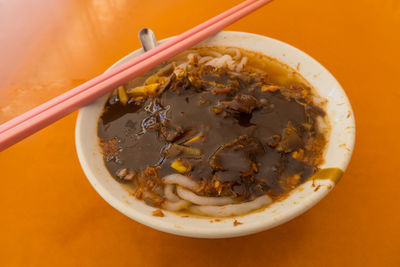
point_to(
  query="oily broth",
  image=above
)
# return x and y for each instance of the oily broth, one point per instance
(278, 73)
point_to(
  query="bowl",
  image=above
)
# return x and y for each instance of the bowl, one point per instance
(336, 155)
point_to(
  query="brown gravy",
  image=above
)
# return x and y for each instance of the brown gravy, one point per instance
(237, 133)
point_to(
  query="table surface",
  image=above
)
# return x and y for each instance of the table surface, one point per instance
(50, 214)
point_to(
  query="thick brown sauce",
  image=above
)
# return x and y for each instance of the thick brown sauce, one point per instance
(135, 131)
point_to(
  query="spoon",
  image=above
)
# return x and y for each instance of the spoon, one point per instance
(147, 39)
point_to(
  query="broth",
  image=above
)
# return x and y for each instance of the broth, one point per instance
(215, 131)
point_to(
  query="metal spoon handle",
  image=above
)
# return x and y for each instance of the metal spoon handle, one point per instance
(147, 39)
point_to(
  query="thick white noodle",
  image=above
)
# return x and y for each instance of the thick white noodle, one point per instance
(175, 206)
(204, 59)
(164, 70)
(236, 51)
(203, 201)
(169, 193)
(231, 209)
(214, 53)
(221, 62)
(173, 202)
(241, 64)
(181, 180)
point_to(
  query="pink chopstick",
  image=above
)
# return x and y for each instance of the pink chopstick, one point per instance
(28, 123)
(122, 67)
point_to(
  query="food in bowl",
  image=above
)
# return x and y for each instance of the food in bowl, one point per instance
(215, 131)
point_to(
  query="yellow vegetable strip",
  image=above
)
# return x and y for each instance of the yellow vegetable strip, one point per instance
(179, 166)
(123, 98)
(146, 90)
(194, 139)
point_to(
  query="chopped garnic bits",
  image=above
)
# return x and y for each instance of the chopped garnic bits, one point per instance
(236, 223)
(157, 213)
(215, 131)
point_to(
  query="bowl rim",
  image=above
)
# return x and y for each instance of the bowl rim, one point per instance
(248, 228)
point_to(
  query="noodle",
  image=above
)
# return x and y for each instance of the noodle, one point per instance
(234, 50)
(231, 209)
(214, 53)
(203, 201)
(175, 206)
(241, 64)
(181, 180)
(205, 59)
(169, 194)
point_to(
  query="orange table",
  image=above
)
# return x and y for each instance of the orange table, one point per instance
(51, 216)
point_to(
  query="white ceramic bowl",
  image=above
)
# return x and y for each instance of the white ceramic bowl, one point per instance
(337, 154)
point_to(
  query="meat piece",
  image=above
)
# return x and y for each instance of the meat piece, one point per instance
(170, 132)
(242, 103)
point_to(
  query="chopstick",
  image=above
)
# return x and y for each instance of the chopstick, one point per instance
(122, 67)
(32, 121)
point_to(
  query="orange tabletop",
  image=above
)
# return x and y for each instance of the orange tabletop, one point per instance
(50, 214)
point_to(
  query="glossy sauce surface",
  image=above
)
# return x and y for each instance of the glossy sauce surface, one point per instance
(244, 145)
